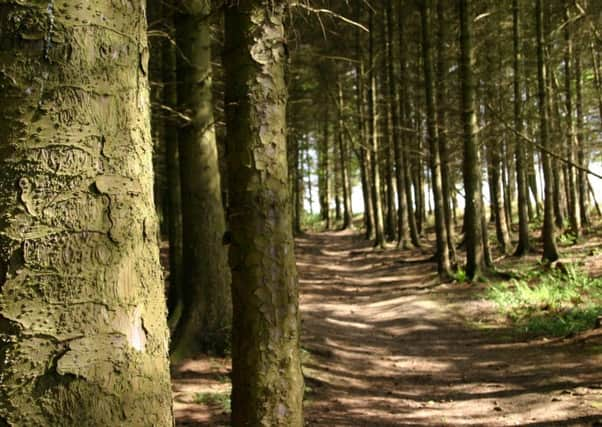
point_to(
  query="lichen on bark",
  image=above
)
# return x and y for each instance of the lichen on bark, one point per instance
(83, 337)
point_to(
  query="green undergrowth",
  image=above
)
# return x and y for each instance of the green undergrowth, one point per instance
(554, 303)
(221, 399)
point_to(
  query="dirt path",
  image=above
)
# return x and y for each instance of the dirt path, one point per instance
(386, 346)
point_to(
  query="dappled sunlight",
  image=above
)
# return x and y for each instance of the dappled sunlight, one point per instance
(389, 345)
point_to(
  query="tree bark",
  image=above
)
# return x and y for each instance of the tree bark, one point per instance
(519, 151)
(550, 251)
(473, 211)
(441, 90)
(573, 196)
(442, 254)
(83, 333)
(174, 195)
(267, 382)
(379, 235)
(207, 310)
(581, 151)
(346, 184)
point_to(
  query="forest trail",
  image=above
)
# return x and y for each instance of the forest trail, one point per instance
(385, 345)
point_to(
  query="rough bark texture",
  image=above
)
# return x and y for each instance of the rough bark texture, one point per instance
(83, 334)
(475, 253)
(266, 370)
(207, 308)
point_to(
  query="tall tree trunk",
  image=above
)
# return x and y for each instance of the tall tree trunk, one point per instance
(442, 67)
(379, 235)
(443, 261)
(83, 333)
(323, 174)
(550, 252)
(174, 196)
(494, 160)
(581, 152)
(573, 199)
(297, 176)
(362, 151)
(473, 212)
(403, 236)
(346, 183)
(207, 311)
(405, 118)
(387, 133)
(519, 151)
(267, 382)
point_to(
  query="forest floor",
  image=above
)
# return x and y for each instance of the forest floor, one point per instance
(385, 344)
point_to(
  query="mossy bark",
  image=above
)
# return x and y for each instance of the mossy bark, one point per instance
(267, 383)
(207, 308)
(83, 334)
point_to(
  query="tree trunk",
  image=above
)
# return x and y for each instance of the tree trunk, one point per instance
(405, 118)
(83, 333)
(323, 174)
(442, 254)
(475, 251)
(519, 151)
(174, 195)
(379, 235)
(267, 382)
(573, 196)
(346, 184)
(550, 252)
(581, 151)
(403, 236)
(207, 311)
(442, 67)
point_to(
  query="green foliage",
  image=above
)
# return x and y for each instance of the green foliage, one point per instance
(312, 222)
(460, 275)
(221, 399)
(554, 304)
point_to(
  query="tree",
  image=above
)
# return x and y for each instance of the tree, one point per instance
(267, 383)
(443, 261)
(207, 310)
(550, 251)
(519, 152)
(83, 334)
(475, 253)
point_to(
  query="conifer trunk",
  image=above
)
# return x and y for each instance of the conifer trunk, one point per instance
(207, 305)
(442, 254)
(83, 334)
(550, 252)
(473, 211)
(267, 383)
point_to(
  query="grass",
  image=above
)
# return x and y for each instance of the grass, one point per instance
(215, 399)
(550, 304)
